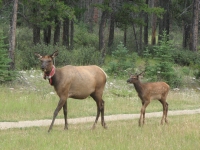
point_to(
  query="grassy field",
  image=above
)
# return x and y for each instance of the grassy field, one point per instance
(183, 133)
(33, 99)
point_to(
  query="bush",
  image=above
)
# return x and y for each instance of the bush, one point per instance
(186, 57)
(122, 63)
(86, 56)
(83, 38)
(163, 69)
(26, 59)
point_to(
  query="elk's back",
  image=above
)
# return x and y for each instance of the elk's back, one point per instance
(81, 81)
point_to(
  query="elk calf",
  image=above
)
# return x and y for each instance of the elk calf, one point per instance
(77, 82)
(150, 91)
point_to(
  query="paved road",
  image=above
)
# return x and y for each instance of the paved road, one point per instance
(22, 124)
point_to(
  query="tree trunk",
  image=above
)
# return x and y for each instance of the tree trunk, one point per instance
(154, 24)
(66, 33)
(90, 17)
(186, 34)
(164, 22)
(47, 35)
(112, 23)
(146, 20)
(112, 30)
(102, 25)
(36, 30)
(140, 41)
(57, 31)
(161, 23)
(101, 30)
(96, 15)
(72, 36)
(36, 34)
(167, 16)
(125, 36)
(13, 35)
(136, 40)
(194, 31)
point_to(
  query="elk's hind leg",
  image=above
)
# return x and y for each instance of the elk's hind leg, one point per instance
(100, 109)
(65, 115)
(102, 114)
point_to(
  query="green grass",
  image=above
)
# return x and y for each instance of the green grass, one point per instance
(32, 100)
(182, 133)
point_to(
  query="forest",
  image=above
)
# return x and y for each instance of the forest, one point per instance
(122, 36)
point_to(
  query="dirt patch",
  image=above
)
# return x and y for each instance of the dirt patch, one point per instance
(23, 124)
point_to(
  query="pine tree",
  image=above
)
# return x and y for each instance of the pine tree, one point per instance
(5, 73)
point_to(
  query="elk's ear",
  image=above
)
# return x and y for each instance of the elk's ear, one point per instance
(38, 55)
(54, 54)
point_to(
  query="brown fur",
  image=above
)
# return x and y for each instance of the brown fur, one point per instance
(77, 82)
(148, 92)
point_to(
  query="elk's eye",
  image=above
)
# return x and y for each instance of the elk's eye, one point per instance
(49, 61)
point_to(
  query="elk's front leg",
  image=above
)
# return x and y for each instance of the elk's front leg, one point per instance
(58, 108)
(142, 112)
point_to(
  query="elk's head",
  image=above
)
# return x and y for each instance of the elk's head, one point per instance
(134, 78)
(47, 61)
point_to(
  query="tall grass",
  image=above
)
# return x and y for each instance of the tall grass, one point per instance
(182, 133)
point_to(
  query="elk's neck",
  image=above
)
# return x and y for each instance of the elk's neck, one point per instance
(52, 80)
(138, 86)
(51, 76)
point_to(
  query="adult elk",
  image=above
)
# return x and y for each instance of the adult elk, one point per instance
(150, 91)
(77, 82)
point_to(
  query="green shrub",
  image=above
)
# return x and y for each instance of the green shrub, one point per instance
(86, 56)
(82, 56)
(85, 39)
(186, 57)
(190, 59)
(123, 61)
(163, 69)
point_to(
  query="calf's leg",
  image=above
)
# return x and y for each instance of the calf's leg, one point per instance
(165, 110)
(142, 112)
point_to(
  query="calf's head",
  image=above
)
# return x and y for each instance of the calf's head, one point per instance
(46, 61)
(134, 78)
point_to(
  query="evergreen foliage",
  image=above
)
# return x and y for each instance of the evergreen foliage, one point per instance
(5, 73)
(163, 69)
(122, 63)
